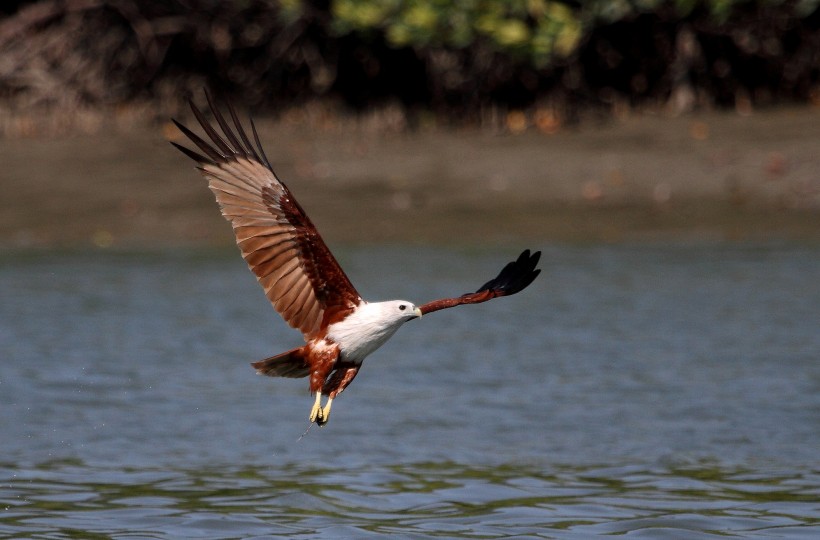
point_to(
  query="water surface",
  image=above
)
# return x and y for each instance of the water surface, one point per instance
(656, 391)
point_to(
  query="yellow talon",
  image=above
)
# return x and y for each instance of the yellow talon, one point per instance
(324, 416)
(316, 411)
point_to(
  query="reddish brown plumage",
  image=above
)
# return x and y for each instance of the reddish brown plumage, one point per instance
(341, 377)
(299, 274)
(282, 247)
(322, 358)
(293, 363)
(514, 277)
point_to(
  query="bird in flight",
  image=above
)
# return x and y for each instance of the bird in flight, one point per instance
(299, 274)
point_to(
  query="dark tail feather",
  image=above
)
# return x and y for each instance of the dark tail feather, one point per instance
(288, 364)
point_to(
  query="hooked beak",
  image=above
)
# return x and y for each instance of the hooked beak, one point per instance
(418, 313)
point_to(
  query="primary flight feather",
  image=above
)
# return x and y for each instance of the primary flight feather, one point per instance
(299, 274)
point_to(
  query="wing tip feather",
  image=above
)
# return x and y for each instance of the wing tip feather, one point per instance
(231, 144)
(516, 275)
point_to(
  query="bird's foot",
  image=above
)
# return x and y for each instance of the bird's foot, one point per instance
(324, 414)
(320, 414)
(316, 413)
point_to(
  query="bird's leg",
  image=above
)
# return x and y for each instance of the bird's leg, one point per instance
(325, 414)
(321, 359)
(333, 387)
(316, 413)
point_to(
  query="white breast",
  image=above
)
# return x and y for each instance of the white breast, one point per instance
(364, 330)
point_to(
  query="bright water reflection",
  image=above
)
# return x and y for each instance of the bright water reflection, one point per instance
(661, 391)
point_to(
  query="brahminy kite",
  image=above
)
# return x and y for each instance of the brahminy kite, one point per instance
(299, 274)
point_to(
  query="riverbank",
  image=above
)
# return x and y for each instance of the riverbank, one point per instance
(715, 176)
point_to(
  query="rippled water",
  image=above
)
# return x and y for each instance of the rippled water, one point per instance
(656, 391)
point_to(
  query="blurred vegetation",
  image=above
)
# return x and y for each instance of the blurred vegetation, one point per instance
(464, 60)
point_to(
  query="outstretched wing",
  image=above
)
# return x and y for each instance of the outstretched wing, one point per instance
(514, 277)
(301, 278)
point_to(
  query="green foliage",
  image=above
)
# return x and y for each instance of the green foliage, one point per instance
(456, 56)
(719, 10)
(535, 30)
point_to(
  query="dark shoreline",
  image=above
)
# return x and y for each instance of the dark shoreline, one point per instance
(715, 176)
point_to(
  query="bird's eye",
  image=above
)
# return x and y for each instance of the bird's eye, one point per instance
(402, 307)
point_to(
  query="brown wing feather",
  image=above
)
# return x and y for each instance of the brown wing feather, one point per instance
(301, 278)
(514, 277)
